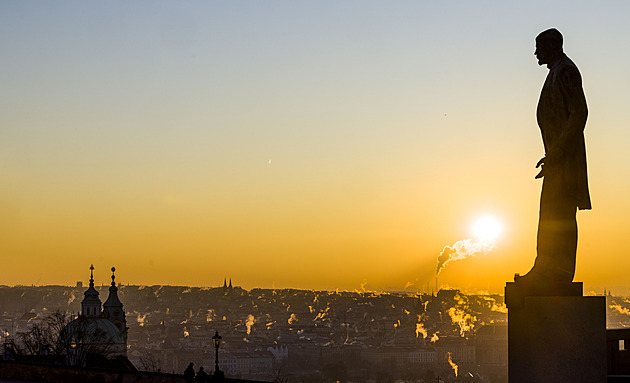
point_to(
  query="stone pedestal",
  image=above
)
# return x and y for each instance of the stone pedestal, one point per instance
(555, 338)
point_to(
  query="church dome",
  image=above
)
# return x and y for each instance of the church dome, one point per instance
(91, 330)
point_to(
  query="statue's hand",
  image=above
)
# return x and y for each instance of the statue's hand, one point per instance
(540, 165)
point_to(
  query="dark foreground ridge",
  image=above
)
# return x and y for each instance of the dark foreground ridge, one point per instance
(33, 372)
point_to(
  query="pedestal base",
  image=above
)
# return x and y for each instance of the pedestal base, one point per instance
(556, 338)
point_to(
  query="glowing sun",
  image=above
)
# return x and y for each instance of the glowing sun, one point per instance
(487, 228)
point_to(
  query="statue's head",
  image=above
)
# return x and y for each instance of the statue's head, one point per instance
(548, 46)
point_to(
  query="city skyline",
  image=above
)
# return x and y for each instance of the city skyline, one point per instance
(315, 146)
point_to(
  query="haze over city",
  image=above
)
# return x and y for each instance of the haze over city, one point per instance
(312, 145)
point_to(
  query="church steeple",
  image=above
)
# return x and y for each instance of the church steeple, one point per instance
(91, 304)
(113, 307)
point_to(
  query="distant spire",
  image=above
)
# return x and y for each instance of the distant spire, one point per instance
(230, 287)
(113, 307)
(91, 304)
(224, 283)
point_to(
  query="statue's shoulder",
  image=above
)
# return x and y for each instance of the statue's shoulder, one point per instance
(567, 72)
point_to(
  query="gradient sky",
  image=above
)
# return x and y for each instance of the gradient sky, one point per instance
(319, 144)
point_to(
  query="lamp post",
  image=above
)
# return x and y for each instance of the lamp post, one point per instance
(216, 340)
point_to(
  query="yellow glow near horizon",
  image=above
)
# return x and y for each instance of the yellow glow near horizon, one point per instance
(487, 228)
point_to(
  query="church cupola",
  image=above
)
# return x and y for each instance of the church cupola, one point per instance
(91, 304)
(113, 307)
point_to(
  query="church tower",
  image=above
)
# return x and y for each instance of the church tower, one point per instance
(91, 304)
(113, 308)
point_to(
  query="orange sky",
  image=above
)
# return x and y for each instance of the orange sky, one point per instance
(312, 146)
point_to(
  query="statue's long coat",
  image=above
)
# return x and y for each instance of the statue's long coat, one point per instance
(561, 115)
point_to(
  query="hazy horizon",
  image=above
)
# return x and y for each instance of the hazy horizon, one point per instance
(588, 290)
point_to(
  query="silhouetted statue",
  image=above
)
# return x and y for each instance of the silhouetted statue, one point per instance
(189, 373)
(561, 115)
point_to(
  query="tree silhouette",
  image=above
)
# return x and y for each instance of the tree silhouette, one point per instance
(62, 339)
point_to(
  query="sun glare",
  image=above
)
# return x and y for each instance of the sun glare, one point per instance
(487, 228)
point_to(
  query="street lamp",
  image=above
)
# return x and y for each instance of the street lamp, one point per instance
(216, 340)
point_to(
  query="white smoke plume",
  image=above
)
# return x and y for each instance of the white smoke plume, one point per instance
(453, 365)
(500, 308)
(620, 309)
(249, 323)
(463, 249)
(464, 320)
(322, 315)
(421, 330)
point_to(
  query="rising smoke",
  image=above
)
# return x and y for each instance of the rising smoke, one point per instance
(463, 249)
(420, 330)
(464, 320)
(620, 309)
(249, 323)
(454, 366)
